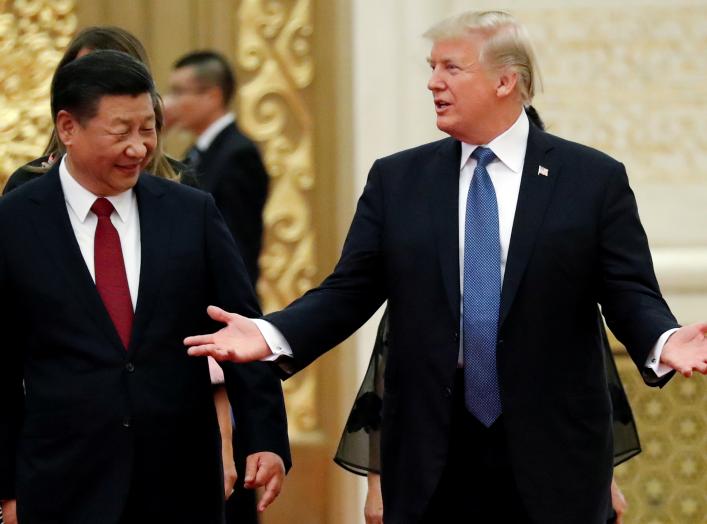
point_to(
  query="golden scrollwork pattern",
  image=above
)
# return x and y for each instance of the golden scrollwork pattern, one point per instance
(665, 484)
(33, 35)
(276, 67)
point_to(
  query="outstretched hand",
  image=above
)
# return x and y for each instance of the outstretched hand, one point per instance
(686, 350)
(239, 341)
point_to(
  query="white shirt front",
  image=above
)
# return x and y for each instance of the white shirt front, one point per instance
(210, 133)
(125, 218)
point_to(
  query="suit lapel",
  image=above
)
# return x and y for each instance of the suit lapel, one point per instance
(51, 221)
(443, 183)
(533, 199)
(155, 238)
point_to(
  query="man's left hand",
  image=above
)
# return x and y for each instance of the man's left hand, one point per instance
(265, 469)
(686, 350)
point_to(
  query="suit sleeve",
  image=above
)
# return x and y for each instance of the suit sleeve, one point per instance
(253, 389)
(11, 389)
(630, 296)
(328, 314)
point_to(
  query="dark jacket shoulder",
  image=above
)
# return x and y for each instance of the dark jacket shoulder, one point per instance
(26, 173)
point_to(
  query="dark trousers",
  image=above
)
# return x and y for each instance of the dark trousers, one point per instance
(241, 506)
(477, 484)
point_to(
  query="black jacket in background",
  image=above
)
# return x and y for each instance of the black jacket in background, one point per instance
(232, 171)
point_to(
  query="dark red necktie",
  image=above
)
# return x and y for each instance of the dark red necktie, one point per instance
(111, 279)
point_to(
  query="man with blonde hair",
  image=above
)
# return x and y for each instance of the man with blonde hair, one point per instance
(494, 248)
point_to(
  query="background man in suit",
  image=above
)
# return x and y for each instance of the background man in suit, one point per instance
(493, 248)
(102, 270)
(227, 165)
(227, 162)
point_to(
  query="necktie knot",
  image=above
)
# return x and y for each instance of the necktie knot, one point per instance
(102, 208)
(483, 155)
(193, 157)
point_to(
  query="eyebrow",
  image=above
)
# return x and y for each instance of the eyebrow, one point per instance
(125, 121)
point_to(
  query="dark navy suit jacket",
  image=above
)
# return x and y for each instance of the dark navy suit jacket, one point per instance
(576, 242)
(96, 423)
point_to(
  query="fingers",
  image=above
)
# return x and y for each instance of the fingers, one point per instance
(251, 469)
(218, 314)
(208, 350)
(272, 490)
(199, 340)
(229, 481)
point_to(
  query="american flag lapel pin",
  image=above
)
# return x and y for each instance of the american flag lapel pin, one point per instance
(542, 171)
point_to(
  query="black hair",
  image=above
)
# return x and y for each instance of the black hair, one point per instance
(211, 68)
(534, 117)
(78, 86)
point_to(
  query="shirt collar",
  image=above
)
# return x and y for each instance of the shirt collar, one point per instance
(207, 137)
(81, 199)
(509, 147)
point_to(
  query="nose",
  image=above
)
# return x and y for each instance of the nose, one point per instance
(138, 148)
(435, 83)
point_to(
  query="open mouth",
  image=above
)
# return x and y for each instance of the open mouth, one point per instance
(441, 105)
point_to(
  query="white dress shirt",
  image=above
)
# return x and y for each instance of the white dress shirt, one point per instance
(125, 218)
(210, 133)
(505, 172)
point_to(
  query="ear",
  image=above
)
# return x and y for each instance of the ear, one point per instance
(215, 95)
(66, 127)
(506, 82)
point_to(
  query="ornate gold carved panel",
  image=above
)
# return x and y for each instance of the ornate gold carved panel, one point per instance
(667, 482)
(33, 35)
(275, 68)
(628, 80)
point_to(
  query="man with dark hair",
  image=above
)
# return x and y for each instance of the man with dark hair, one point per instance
(103, 269)
(228, 163)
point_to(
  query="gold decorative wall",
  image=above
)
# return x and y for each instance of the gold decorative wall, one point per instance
(33, 35)
(665, 484)
(276, 68)
(639, 72)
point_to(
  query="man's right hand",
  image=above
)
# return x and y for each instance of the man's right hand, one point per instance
(239, 341)
(9, 511)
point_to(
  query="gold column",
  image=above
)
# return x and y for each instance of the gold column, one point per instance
(33, 35)
(276, 68)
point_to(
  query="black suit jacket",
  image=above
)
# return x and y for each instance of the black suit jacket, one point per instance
(576, 241)
(96, 423)
(232, 171)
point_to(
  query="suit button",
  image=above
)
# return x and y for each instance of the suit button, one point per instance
(456, 336)
(499, 342)
(126, 422)
(448, 392)
(130, 367)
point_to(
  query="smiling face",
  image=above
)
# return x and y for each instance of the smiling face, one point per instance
(107, 152)
(471, 99)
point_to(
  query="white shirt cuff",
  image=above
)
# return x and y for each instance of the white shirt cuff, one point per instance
(653, 361)
(274, 339)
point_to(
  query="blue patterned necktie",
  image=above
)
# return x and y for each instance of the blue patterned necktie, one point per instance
(482, 293)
